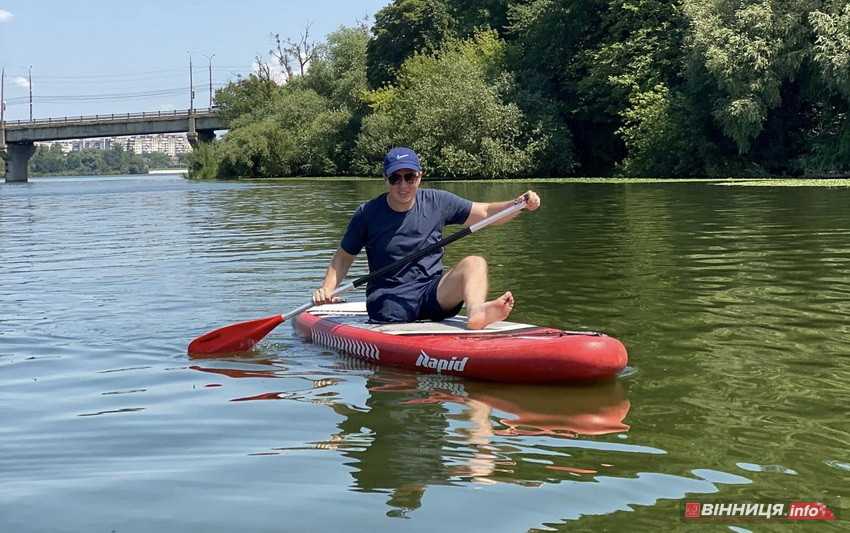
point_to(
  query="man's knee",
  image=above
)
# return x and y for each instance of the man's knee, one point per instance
(473, 263)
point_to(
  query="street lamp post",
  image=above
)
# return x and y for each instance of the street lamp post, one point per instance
(2, 109)
(2, 100)
(30, 86)
(210, 58)
(191, 86)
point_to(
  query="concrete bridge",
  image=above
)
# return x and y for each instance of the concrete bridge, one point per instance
(17, 138)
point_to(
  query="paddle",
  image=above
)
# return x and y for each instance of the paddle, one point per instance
(241, 336)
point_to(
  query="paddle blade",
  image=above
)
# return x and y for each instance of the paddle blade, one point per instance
(235, 337)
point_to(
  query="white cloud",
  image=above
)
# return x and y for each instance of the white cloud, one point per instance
(20, 81)
(5, 16)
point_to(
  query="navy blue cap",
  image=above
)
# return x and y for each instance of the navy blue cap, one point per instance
(399, 158)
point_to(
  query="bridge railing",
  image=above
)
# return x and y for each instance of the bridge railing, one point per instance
(116, 117)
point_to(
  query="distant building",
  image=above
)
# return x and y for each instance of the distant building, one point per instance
(171, 144)
(65, 146)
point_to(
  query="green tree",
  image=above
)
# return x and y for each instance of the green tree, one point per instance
(401, 29)
(339, 72)
(115, 159)
(91, 161)
(547, 40)
(204, 161)
(474, 16)
(832, 46)
(450, 108)
(73, 162)
(579, 64)
(301, 135)
(505, 87)
(251, 95)
(830, 138)
(306, 127)
(665, 136)
(339, 75)
(48, 160)
(408, 27)
(748, 48)
(249, 150)
(156, 160)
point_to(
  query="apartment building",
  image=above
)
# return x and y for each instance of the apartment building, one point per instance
(171, 144)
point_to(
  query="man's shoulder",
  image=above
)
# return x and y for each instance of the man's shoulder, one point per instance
(438, 195)
(453, 208)
(448, 200)
(374, 204)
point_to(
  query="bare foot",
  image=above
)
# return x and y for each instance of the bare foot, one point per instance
(485, 314)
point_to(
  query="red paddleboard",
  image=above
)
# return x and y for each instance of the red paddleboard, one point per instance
(505, 351)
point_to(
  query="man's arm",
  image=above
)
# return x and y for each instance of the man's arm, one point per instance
(482, 210)
(336, 272)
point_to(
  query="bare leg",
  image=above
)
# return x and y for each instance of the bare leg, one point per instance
(467, 282)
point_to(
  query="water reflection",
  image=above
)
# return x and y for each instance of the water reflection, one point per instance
(421, 430)
(418, 430)
(242, 368)
(520, 409)
(247, 369)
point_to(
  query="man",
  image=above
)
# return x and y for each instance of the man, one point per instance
(403, 220)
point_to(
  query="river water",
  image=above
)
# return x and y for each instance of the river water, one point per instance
(733, 302)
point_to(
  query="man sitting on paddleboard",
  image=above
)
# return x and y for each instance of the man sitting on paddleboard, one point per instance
(403, 220)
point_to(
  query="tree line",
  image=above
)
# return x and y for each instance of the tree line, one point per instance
(50, 160)
(512, 88)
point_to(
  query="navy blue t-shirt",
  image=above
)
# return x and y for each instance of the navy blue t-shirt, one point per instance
(389, 236)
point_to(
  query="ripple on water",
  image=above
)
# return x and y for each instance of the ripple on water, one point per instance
(777, 469)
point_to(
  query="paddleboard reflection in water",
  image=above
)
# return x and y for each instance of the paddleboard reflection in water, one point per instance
(565, 411)
(421, 430)
(417, 430)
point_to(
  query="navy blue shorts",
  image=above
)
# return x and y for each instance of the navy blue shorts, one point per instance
(420, 304)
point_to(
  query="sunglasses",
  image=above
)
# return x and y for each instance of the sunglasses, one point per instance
(409, 177)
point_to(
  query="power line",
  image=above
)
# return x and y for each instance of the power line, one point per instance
(109, 82)
(130, 75)
(57, 98)
(61, 88)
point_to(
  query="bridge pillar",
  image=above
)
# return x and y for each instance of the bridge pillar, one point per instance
(18, 161)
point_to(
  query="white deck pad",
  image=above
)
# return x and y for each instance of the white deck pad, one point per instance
(354, 314)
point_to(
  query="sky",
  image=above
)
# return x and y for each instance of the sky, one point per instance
(109, 56)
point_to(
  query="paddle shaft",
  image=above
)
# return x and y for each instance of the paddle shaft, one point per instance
(419, 254)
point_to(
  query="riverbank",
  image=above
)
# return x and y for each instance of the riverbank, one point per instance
(182, 171)
(750, 182)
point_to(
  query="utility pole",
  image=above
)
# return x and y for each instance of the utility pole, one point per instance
(191, 88)
(210, 59)
(30, 84)
(2, 100)
(2, 109)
